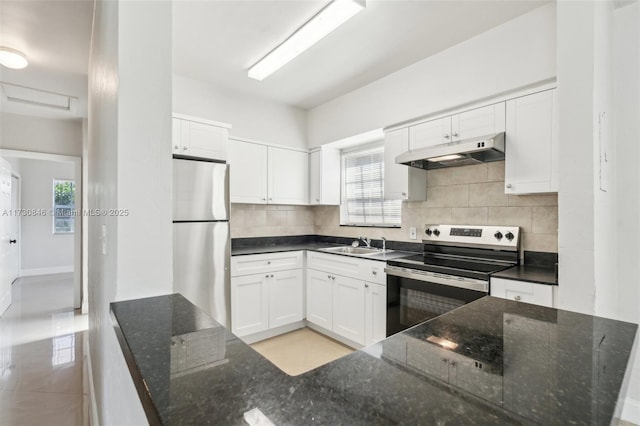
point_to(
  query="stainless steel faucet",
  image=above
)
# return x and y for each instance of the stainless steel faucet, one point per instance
(384, 243)
(366, 240)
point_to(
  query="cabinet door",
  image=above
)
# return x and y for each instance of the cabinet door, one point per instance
(206, 141)
(375, 313)
(401, 182)
(324, 177)
(285, 297)
(288, 176)
(478, 122)
(320, 298)
(348, 308)
(249, 304)
(531, 141)
(176, 135)
(434, 132)
(247, 172)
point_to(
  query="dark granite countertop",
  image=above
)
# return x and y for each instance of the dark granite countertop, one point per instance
(316, 246)
(529, 273)
(507, 363)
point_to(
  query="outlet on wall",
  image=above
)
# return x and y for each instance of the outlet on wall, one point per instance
(412, 233)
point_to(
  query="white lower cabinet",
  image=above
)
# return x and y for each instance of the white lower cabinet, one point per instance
(249, 304)
(348, 308)
(320, 299)
(285, 297)
(522, 291)
(375, 308)
(263, 295)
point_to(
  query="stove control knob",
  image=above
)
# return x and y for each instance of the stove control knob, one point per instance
(428, 232)
(509, 236)
(498, 235)
(436, 232)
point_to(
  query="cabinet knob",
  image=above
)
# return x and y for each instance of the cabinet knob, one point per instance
(184, 148)
(509, 186)
(404, 194)
(329, 276)
(266, 276)
(264, 199)
(454, 134)
(271, 276)
(270, 199)
(374, 272)
(446, 136)
(517, 298)
(268, 262)
(318, 200)
(176, 147)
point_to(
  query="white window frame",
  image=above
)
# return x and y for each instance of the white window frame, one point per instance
(344, 217)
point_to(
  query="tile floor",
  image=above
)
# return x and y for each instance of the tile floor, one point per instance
(300, 351)
(41, 355)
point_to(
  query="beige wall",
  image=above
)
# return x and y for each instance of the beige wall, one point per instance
(470, 195)
(52, 136)
(258, 220)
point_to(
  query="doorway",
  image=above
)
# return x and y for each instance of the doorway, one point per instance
(14, 233)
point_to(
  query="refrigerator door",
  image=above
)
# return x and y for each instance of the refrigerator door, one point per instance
(201, 256)
(200, 190)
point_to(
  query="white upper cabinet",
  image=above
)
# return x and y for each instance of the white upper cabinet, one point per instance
(261, 174)
(324, 177)
(430, 133)
(199, 138)
(531, 161)
(288, 176)
(247, 172)
(477, 122)
(401, 182)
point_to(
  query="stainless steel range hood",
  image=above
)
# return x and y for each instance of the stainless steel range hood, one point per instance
(461, 153)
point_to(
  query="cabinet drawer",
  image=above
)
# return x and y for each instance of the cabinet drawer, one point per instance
(259, 263)
(373, 272)
(348, 266)
(522, 291)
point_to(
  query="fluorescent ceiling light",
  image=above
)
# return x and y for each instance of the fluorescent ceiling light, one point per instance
(328, 19)
(446, 158)
(12, 58)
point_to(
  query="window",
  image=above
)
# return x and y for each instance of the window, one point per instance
(363, 200)
(64, 195)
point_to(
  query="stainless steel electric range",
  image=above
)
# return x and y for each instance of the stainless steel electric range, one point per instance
(453, 270)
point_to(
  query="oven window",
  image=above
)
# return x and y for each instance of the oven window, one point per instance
(417, 306)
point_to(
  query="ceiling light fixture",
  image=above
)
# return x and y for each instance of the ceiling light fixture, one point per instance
(12, 58)
(328, 19)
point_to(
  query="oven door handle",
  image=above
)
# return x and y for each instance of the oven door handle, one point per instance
(460, 282)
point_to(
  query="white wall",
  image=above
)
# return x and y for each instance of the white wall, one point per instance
(53, 136)
(513, 55)
(251, 118)
(129, 157)
(42, 251)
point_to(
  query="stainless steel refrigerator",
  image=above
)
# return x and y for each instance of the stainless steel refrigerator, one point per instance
(201, 244)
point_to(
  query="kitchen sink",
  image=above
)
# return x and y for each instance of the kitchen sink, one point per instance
(362, 251)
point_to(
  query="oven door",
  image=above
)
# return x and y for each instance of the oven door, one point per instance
(414, 296)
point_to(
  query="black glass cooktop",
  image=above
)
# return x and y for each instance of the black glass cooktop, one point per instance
(453, 266)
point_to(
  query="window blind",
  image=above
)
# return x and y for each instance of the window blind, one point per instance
(363, 200)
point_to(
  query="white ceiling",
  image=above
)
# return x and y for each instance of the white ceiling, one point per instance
(217, 41)
(55, 35)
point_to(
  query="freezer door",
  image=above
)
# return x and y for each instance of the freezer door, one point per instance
(201, 256)
(200, 190)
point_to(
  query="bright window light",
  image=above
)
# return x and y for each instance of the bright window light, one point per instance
(328, 19)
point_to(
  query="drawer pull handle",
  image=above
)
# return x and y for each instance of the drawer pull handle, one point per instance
(374, 272)
(268, 262)
(517, 298)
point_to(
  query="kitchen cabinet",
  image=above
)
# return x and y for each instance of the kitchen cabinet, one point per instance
(266, 292)
(522, 291)
(195, 137)
(347, 296)
(477, 122)
(375, 309)
(348, 308)
(262, 174)
(531, 156)
(288, 176)
(324, 177)
(249, 304)
(401, 182)
(320, 298)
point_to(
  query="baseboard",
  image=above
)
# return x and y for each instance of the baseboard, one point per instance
(631, 411)
(46, 271)
(93, 405)
(256, 337)
(334, 336)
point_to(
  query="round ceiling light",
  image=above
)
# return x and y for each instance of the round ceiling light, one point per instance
(12, 58)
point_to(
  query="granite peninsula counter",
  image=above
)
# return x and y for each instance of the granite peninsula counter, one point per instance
(492, 361)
